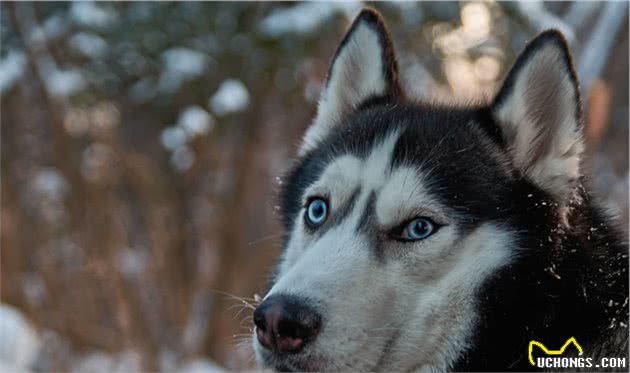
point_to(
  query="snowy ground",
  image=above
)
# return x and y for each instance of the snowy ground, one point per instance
(25, 349)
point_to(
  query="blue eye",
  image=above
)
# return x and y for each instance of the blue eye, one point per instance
(316, 212)
(418, 229)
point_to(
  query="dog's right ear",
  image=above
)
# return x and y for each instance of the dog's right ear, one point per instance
(363, 68)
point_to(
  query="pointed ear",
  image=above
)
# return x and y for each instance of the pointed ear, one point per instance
(539, 112)
(363, 68)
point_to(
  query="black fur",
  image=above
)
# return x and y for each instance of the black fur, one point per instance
(570, 275)
(566, 282)
(563, 280)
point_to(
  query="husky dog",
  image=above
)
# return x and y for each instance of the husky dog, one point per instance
(436, 238)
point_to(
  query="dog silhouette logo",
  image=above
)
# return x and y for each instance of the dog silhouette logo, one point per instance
(552, 352)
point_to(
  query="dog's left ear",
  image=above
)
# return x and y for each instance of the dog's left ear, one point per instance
(539, 112)
(363, 68)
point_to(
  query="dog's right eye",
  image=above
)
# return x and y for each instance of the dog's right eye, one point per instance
(316, 212)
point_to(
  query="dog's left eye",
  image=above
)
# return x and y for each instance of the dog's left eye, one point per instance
(417, 229)
(316, 212)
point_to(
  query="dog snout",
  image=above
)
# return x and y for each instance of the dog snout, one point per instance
(285, 324)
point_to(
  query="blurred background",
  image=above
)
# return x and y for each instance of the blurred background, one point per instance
(142, 145)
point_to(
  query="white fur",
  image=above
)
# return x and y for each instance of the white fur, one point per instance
(450, 297)
(339, 180)
(403, 197)
(422, 294)
(555, 165)
(356, 74)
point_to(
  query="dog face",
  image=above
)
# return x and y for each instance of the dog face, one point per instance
(397, 213)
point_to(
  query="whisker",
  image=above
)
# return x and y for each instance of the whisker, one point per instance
(236, 297)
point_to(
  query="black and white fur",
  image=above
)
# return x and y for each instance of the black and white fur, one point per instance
(523, 252)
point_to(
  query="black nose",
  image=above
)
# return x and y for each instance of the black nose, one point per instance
(285, 323)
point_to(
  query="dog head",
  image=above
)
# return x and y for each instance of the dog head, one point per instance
(396, 212)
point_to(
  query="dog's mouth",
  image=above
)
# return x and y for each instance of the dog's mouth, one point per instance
(296, 364)
(305, 366)
(293, 363)
(311, 362)
(314, 360)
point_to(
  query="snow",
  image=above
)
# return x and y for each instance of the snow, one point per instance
(44, 194)
(94, 158)
(195, 120)
(11, 69)
(88, 44)
(91, 14)
(142, 91)
(19, 344)
(64, 82)
(185, 61)
(22, 348)
(49, 182)
(173, 137)
(304, 18)
(167, 360)
(192, 121)
(71, 255)
(182, 158)
(34, 289)
(197, 324)
(180, 65)
(231, 97)
(200, 366)
(96, 362)
(52, 28)
(101, 362)
(132, 262)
